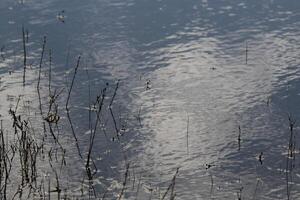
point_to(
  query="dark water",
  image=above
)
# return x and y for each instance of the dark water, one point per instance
(200, 90)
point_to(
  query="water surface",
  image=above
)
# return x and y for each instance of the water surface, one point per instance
(186, 87)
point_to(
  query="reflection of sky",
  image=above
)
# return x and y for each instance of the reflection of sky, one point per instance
(217, 100)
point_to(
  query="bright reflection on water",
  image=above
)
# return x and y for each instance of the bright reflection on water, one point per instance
(192, 57)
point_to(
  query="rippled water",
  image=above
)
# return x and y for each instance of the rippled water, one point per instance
(185, 89)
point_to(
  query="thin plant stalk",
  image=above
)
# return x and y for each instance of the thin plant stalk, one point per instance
(25, 54)
(40, 70)
(68, 109)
